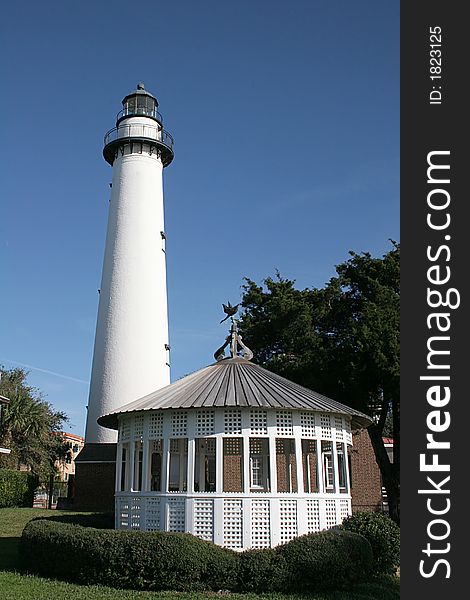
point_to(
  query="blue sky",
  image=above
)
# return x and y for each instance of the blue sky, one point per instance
(286, 125)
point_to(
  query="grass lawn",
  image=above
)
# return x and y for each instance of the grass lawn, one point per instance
(15, 586)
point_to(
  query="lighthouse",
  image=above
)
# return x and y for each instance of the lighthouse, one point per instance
(131, 350)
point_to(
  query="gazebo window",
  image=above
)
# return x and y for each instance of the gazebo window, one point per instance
(342, 481)
(286, 465)
(178, 475)
(310, 466)
(138, 459)
(123, 467)
(156, 465)
(259, 464)
(233, 464)
(328, 467)
(204, 465)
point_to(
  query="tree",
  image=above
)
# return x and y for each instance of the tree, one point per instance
(341, 340)
(30, 427)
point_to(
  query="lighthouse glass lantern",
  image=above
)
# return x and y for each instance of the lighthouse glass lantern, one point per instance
(235, 455)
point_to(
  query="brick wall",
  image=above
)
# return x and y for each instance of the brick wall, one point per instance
(366, 486)
(94, 486)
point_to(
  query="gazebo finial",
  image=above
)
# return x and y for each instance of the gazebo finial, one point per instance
(234, 339)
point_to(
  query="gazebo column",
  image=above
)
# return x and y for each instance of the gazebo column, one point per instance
(336, 476)
(272, 430)
(219, 451)
(298, 451)
(117, 485)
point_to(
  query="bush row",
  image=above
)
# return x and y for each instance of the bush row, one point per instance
(383, 535)
(16, 488)
(180, 561)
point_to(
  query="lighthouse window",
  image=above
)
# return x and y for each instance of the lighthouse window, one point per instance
(204, 465)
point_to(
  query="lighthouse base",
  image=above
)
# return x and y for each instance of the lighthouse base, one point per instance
(95, 472)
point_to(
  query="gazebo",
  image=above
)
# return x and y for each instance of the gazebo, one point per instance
(233, 454)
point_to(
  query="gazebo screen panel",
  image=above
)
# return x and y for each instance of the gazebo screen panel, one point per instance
(310, 466)
(233, 464)
(286, 465)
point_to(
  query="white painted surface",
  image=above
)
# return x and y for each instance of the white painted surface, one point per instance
(130, 358)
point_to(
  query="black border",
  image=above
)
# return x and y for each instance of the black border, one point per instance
(425, 128)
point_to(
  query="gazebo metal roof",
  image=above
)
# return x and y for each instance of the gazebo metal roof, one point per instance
(235, 382)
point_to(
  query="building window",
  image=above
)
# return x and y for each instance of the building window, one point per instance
(286, 465)
(178, 476)
(259, 465)
(328, 468)
(204, 465)
(233, 464)
(310, 466)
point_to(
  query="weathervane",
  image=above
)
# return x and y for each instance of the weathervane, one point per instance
(234, 339)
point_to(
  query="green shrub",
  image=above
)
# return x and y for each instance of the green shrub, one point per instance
(179, 561)
(262, 571)
(383, 535)
(125, 559)
(16, 488)
(99, 520)
(326, 560)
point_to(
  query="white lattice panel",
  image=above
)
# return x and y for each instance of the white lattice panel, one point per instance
(347, 430)
(138, 427)
(176, 515)
(152, 514)
(129, 513)
(287, 520)
(124, 429)
(325, 424)
(313, 516)
(155, 425)
(260, 524)
(233, 524)
(156, 446)
(258, 422)
(123, 514)
(344, 509)
(179, 424)
(307, 424)
(205, 424)
(339, 428)
(284, 423)
(204, 519)
(233, 421)
(330, 513)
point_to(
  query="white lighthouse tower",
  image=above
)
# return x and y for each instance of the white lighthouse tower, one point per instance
(131, 352)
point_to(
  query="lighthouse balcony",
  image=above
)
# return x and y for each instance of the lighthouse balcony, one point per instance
(153, 136)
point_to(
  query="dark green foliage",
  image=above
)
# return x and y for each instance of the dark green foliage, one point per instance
(383, 535)
(125, 559)
(99, 520)
(16, 488)
(262, 571)
(326, 560)
(342, 340)
(178, 561)
(30, 427)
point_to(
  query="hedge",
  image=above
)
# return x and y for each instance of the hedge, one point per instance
(383, 535)
(179, 561)
(16, 488)
(327, 560)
